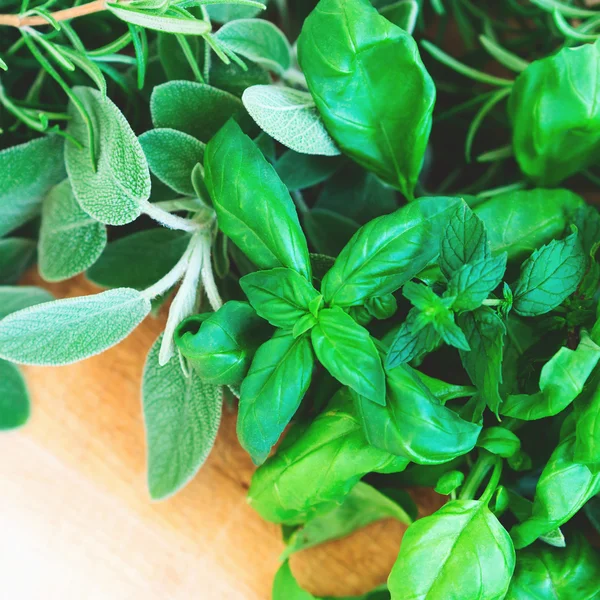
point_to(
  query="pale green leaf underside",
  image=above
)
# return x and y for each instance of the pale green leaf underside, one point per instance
(14, 398)
(160, 22)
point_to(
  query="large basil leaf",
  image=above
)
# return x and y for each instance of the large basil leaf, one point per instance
(587, 406)
(461, 551)
(371, 88)
(14, 397)
(562, 489)
(558, 573)
(347, 351)
(556, 116)
(317, 470)
(272, 391)
(253, 206)
(285, 586)
(28, 171)
(413, 423)
(388, 251)
(220, 346)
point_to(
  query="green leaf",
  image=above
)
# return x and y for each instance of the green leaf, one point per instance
(285, 586)
(587, 444)
(315, 469)
(561, 381)
(371, 88)
(463, 539)
(253, 206)
(543, 572)
(474, 282)
(223, 12)
(280, 296)
(403, 13)
(328, 232)
(362, 506)
(220, 346)
(70, 240)
(464, 242)
(341, 344)
(259, 41)
(139, 260)
(28, 171)
(13, 299)
(66, 331)
(181, 418)
(485, 332)
(271, 392)
(14, 397)
(172, 155)
(301, 171)
(194, 108)
(562, 489)
(16, 255)
(413, 423)
(382, 307)
(159, 22)
(114, 190)
(549, 276)
(499, 441)
(291, 117)
(449, 482)
(408, 239)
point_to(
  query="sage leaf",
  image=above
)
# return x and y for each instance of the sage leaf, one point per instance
(28, 171)
(299, 171)
(13, 299)
(223, 12)
(181, 418)
(14, 397)
(253, 206)
(16, 255)
(114, 190)
(341, 344)
(172, 156)
(62, 332)
(291, 117)
(70, 240)
(271, 393)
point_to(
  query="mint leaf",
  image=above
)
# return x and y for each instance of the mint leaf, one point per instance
(16, 255)
(66, 331)
(474, 282)
(172, 155)
(13, 299)
(14, 398)
(70, 240)
(464, 241)
(181, 417)
(113, 190)
(28, 171)
(549, 276)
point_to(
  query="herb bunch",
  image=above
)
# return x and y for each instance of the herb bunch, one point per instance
(393, 274)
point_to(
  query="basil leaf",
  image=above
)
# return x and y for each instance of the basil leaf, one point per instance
(587, 444)
(220, 346)
(541, 571)
(66, 331)
(549, 276)
(13, 299)
(14, 397)
(291, 117)
(280, 296)
(16, 255)
(172, 155)
(388, 251)
(113, 190)
(268, 231)
(285, 586)
(181, 418)
(300, 171)
(464, 242)
(197, 109)
(259, 41)
(272, 391)
(449, 482)
(474, 282)
(28, 171)
(485, 332)
(462, 537)
(70, 240)
(140, 259)
(413, 423)
(359, 68)
(341, 344)
(562, 489)
(556, 390)
(499, 441)
(362, 506)
(316, 470)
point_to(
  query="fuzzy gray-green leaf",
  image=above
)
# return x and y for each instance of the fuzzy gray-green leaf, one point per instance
(14, 398)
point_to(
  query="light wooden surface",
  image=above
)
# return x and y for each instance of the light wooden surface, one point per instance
(76, 521)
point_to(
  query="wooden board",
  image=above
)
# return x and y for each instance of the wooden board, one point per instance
(76, 521)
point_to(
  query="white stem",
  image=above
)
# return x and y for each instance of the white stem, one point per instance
(167, 219)
(208, 278)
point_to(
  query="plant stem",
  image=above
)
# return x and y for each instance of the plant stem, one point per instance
(492, 302)
(208, 278)
(60, 15)
(484, 463)
(167, 219)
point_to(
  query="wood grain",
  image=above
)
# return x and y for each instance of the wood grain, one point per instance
(77, 522)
